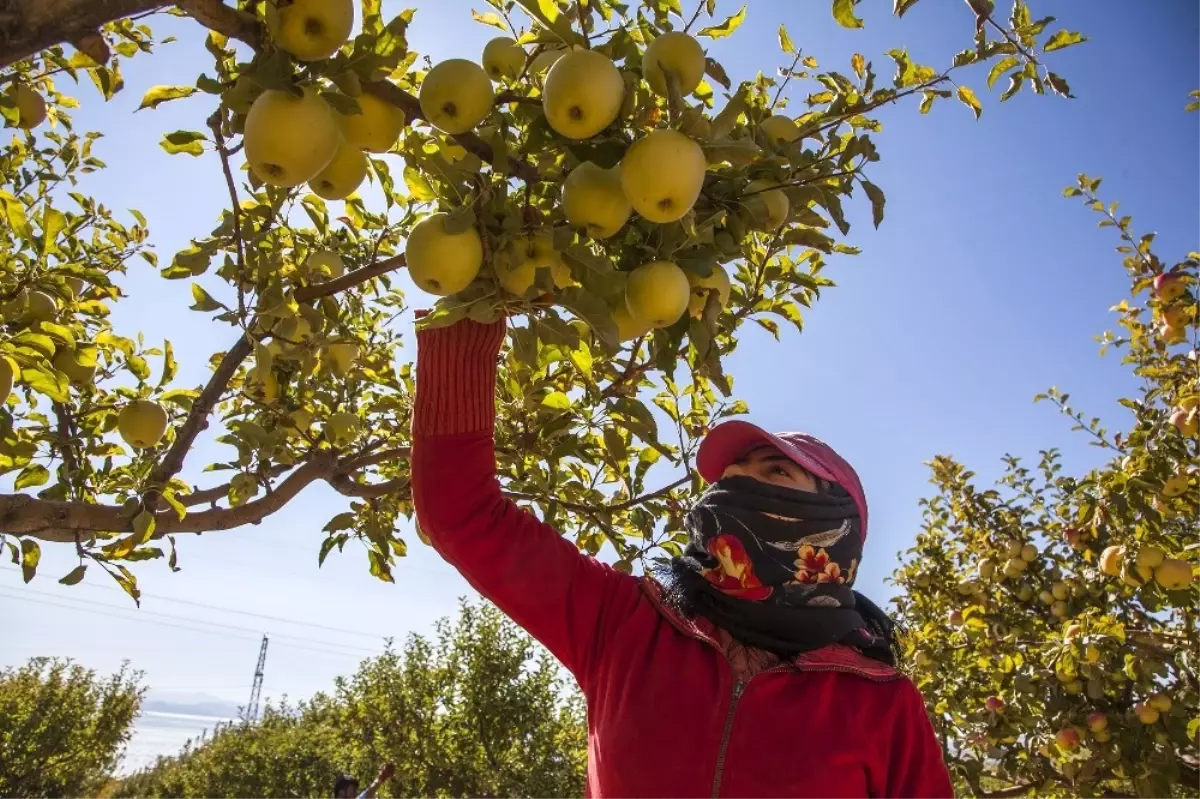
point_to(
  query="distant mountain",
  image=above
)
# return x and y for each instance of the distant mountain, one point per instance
(189, 704)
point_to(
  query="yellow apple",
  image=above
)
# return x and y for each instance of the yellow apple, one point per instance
(1145, 714)
(34, 306)
(1110, 560)
(1160, 702)
(342, 355)
(503, 58)
(1059, 591)
(440, 262)
(1013, 567)
(1013, 549)
(312, 29)
(662, 174)
(343, 175)
(1029, 553)
(657, 293)
(1059, 609)
(1173, 574)
(75, 285)
(675, 53)
(1148, 558)
(582, 94)
(779, 129)
(1186, 422)
(769, 207)
(289, 139)
(142, 423)
(593, 198)
(376, 128)
(31, 106)
(1101, 736)
(516, 275)
(1176, 485)
(6, 379)
(326, 265)
(545, 59)
(79, 365)
(456, 96)
(1097, 721)
(1046, 598)
(718, 281)
(1073, 687)
(1025, 593)
(628, 328)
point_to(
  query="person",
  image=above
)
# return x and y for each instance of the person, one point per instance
(748, 667)
(346, 787)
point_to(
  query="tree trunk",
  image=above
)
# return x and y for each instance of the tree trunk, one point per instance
(29, 26)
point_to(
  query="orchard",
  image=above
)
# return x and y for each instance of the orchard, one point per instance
(595, 176)
(1053, 619)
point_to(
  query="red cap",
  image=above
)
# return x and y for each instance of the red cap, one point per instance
(729, 441)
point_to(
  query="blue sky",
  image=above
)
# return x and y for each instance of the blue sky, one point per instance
(982, 288)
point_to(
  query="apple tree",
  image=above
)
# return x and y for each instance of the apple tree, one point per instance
(597, 178)
(1053, 618)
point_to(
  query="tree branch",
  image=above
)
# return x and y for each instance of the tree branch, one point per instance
(350, 279)
(30, 26)
(55, 521)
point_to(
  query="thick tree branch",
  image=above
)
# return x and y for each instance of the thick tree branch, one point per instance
(197, 418)
(30, 26)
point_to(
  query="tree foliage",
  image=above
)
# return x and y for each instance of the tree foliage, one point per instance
(480, 711)
(307, 388)
(1053, 618)
(62, 727)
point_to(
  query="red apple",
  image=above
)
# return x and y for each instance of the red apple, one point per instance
(1169, 286)
(1097, 721)
(994, 704)
(1186, 422)
(1067, 739)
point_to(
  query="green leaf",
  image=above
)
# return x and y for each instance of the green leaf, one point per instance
(170, 366)
(184, 141)
(785, 41)
(53, 222)
(31, 554)
(725, 28)
(343, 521)
(843, 13)
(547, 13)
(418, 186)
(162, 94)
(45, 381)
(204, 301)
(1059, 85)
(875, 194)
(969, 99)
(1000, 67)
(143, 528)
(75, 575)
(32, 476)
(558, 400)
(1063, 39)
(488, 19)
(326, 545)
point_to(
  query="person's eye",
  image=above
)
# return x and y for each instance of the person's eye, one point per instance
(780, 470)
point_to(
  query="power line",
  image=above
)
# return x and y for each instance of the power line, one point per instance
(207, 606)
(122, 613)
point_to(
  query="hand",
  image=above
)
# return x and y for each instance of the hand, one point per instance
(386, 772)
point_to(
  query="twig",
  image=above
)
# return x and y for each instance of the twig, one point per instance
(214, 123)
(786, 78)
(581, 7)
(1004, 32)
(350, 279)
(65, 438)
(695, 16)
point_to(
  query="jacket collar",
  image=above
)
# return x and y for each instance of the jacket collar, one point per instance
(835, 657)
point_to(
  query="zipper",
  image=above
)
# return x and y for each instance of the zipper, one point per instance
(738, 690)
(735, 697)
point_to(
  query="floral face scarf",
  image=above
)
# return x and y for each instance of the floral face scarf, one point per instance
(774, 567)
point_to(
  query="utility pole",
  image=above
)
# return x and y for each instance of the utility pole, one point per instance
(256, 689)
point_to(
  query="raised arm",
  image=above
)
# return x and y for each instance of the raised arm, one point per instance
(566, 600)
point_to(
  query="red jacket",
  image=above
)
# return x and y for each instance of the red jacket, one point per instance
(675, 707)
